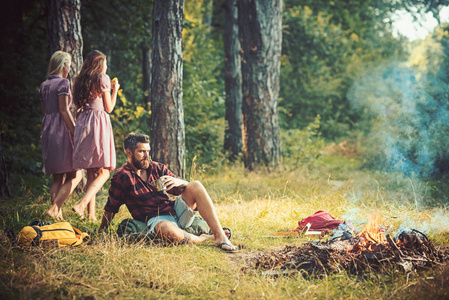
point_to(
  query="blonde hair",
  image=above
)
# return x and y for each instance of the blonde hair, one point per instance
(57, 62)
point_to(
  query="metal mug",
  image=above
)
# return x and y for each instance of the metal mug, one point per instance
(159, 186)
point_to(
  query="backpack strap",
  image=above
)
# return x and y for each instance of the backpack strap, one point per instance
(38, 237)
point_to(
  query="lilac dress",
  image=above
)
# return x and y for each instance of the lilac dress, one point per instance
(57, 144)
(93, 138)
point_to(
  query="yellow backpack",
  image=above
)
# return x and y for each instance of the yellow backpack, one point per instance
(59, 234)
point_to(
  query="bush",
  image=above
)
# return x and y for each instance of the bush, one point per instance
(128, 117)
(302, 147)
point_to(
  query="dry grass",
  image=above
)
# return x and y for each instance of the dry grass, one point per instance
(254, 206)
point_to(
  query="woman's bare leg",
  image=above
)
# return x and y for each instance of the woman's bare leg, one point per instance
(71, 181)
(91, 210)
(94, 184)
(56, 186)
(91, 204)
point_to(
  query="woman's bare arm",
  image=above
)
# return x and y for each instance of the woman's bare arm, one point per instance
(63, 102)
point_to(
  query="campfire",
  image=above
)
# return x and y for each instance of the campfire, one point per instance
(345, 249)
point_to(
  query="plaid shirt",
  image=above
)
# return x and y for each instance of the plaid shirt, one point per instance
(140, 197)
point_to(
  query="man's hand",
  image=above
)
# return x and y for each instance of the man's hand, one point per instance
(171, 182)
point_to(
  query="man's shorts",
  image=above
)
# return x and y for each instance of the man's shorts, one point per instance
(183, 219)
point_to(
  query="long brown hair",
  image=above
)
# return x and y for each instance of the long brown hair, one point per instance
(87, 83)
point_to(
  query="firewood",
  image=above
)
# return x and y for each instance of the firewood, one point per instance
(320, 258)
(394, 246)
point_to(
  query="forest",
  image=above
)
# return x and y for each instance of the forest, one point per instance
(332, 58)
(281, 108)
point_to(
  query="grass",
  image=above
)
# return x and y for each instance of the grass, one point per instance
(254, 206)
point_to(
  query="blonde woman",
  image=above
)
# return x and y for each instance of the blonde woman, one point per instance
(57, 132)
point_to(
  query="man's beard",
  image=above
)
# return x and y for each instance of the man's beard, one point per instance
(141, 164)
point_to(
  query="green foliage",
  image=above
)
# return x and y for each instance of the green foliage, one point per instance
(431, 57)
(120, 30)
(128, 117)
(302, 147)
(321, 57)
(203, 89)
(326, 44)
(408, 110)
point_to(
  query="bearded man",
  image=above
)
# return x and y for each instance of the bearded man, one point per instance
(134, 184)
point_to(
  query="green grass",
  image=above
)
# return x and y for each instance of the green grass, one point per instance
(254, 206)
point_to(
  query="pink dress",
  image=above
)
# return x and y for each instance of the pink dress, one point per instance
(57, 144)
(93, 138)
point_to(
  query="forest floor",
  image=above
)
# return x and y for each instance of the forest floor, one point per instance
(256, 207)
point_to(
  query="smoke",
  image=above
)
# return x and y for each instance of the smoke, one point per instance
(437, 224)
(352, 214)
(408, 113)
(407, 107)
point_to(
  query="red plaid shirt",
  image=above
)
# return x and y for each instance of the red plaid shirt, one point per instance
(141, 198)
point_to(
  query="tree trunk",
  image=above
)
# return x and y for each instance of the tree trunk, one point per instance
(64, 30)
(167, 114)
(4, 184)
(64, 33)
(261, 37)
(146, 73)
(233, 81)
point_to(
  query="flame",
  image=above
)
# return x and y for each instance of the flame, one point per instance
(373, 233)
(373, 230)
(371, 238)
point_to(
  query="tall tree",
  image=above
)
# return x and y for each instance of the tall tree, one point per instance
(233, 81)
(167, 114)
(260, 30)
(64, 30)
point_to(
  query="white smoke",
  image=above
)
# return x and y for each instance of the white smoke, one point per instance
(439, 223)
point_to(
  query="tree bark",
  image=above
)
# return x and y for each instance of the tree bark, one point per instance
(64, 31)
(167, 114)
(233, 81)
(260, 30)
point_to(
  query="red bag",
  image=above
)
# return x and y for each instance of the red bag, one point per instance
(319, 221)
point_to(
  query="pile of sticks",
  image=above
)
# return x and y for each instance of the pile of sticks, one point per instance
(408, 252)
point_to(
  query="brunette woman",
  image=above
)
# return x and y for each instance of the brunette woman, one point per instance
(94, 142)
